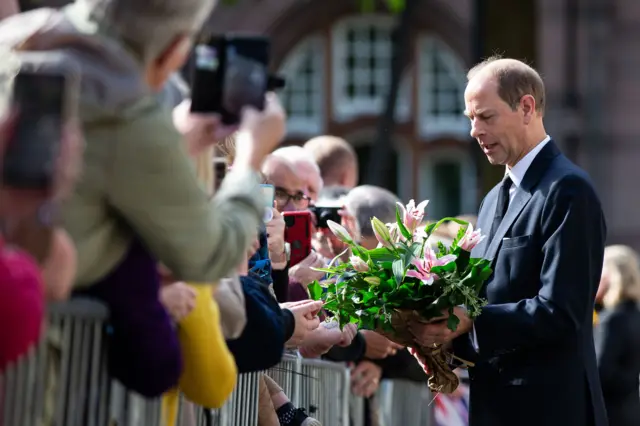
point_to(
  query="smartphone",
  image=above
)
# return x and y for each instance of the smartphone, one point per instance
(269, 194)
(324, 214)
(43, 102)
(219, 170)
(297, 233)
(231, 72)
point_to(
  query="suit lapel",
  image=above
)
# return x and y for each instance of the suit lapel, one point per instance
(522, 196)
(520, 199)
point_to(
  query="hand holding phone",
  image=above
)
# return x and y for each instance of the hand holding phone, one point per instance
(44, 104)
(324, 214)
(231, 73)
(298, 235)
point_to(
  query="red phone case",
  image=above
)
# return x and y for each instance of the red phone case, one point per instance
(298, 234)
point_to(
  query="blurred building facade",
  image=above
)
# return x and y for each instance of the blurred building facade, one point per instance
(337, 59)
(337, 62)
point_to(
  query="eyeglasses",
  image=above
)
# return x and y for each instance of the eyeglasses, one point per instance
(299, 199)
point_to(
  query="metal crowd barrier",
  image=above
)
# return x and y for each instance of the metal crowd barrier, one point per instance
(63, 382)
(401, 402)
(322, 388)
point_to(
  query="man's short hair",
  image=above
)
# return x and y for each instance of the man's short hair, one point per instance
(333, 155)
(515, 79)
(147, 26)
(367, 201)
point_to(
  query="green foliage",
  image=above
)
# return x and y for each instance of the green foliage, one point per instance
(369, 297)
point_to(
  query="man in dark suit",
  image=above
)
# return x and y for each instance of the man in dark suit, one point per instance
(532, 345)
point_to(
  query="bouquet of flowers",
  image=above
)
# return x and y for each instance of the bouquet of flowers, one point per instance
(406, 279)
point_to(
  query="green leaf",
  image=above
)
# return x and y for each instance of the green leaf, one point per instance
(315, 291)
(452, 322)
(449, 267)
(398, 271)
(403, 229)
(416, 249)
(396, 6)
(442, 249)
(382, 255)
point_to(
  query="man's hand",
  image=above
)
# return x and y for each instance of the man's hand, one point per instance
(436, 332)
(200, 131)
(321, 340)
(327, 244)
(178, 299)
(302, 271)
(378, 346)
(365, 379)
(305, 314)
(275, 238)
(260, 133)
(348, 334)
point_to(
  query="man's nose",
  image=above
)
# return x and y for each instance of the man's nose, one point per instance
(289, 207)
(476, 131)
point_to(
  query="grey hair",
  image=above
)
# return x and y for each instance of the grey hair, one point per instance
(148, 26)
(366, 201)
(297, 154)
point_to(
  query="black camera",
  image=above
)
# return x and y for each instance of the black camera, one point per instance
(231, 72)
(324, 214)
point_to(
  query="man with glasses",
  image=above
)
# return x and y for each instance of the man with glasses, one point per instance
(285, 199)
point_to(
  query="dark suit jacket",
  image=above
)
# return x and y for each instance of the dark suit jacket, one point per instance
(536, 363)
(618, 351)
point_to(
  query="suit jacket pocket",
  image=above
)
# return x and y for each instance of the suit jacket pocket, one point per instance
(515, 242)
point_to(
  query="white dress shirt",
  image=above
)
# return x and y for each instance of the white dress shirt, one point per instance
(516, 173)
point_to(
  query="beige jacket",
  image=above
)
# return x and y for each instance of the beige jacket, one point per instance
(138, 181)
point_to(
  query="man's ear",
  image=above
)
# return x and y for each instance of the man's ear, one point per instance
(528, 107)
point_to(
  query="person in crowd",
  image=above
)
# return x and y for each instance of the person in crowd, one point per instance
(306, 168)
(139, 201)
(290, 196)
(381, 358)
(617, 336)
(337, 160)
(545, 238)
(268, 270)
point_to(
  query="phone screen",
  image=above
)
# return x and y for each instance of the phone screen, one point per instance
(269, 193)
(230, 73)
(31, 153)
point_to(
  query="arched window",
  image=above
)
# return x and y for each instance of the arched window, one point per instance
(442, 80)
(448, 179)
(361, 58)
(303, 95)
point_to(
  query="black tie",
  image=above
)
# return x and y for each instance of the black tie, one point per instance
(501, 206)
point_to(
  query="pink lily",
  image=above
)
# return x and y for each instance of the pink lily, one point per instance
(394, 232)
(471, 238)
(423, 266)
(358, 264)
(413, 215)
